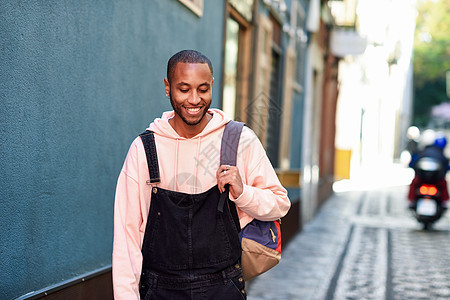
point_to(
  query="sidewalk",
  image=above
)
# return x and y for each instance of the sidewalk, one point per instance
(309, 260)
(312, 260)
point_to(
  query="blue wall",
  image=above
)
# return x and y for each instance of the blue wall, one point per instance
(78, 81)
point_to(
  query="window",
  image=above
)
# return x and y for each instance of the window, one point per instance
(236, 65)
(244, 7)
(259, 104)
(274, 102)
(300, 47)
(195, 5)
(230, 68)
(294, 70)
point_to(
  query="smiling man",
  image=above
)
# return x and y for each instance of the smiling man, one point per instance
(170, 242)
(189, 87)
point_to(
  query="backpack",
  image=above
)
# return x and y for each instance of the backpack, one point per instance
(260, 240)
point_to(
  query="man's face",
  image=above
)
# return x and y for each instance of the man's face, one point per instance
(190, 91)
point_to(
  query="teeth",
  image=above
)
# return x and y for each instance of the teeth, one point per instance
(193, 109)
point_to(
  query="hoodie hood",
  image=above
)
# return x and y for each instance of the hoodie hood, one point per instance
(184, 171)
(162, 127)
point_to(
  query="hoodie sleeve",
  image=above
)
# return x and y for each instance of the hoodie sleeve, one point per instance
(263, 198)
(127, 257)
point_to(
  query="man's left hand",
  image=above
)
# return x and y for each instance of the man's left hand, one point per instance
(227, 174)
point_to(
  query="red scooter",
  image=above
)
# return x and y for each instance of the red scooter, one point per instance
(427, 206)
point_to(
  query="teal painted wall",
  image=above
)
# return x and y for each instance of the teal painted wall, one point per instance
(78, 81)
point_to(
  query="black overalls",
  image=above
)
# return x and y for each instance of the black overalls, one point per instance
(191, 249)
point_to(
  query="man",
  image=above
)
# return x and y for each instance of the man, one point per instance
(166, 244)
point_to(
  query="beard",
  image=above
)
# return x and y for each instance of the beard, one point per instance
(179, 111)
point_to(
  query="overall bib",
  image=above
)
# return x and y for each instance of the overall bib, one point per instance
(191, 249)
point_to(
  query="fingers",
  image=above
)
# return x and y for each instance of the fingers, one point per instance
(227, 174)
(224, 176)
(223, 168)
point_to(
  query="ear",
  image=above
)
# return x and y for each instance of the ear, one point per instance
(212, 81)
(167, 86)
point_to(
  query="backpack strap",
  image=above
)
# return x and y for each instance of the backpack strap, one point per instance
(230, 142)
(228, 156)
(148, 139)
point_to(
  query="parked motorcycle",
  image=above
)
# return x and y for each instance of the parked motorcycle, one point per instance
(428, 206)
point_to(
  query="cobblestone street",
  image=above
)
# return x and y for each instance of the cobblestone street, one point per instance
(363, 244)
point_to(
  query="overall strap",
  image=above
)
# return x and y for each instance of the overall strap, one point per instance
(228, 156)
(148, 139)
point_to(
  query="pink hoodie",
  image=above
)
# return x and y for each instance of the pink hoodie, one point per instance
(189, 166)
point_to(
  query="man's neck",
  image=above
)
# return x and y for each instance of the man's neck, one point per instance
(189, 131)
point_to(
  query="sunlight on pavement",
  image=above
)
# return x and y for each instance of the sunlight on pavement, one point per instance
(374, 178)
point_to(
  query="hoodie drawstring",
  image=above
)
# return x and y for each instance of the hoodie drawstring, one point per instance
(194, 181)
(196, 164)
(176, 166)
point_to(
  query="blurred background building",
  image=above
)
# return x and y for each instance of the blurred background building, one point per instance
(375, 100)
(326, 86)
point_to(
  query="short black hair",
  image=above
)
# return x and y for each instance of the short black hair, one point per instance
(186, 56)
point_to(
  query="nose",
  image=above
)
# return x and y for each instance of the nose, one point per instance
(195, 98)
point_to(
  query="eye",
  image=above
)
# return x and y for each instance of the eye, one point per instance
(203, 90)
(184, 90)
